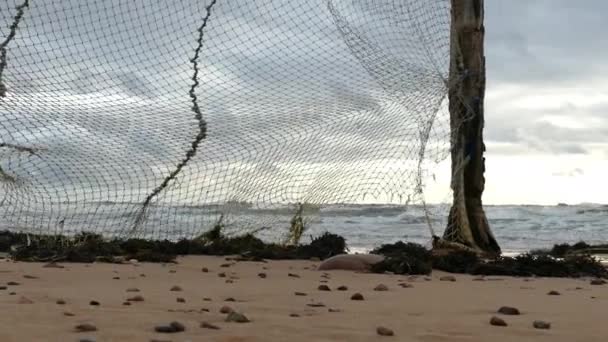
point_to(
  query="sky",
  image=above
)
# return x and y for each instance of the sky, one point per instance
(546, 101)
(298, 91)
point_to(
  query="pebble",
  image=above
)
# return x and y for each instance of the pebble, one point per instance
(381, 287)
(382, 331)
(3, 287)
(507, 310)
(172, 327)
(207, 299)
(172, 271)
(137, 298)
(69, 314)
(85, 327)
(236, 317)
(12, 283)
(226, 309)
(342, 288)
(553, 293)
(205, 270)
(293, 275)
(323, 288)
(175, 288)
(180, 300)
(207, 325)
(447, 278)
(356, 296)
(316, 305)
(27, 276)
(262, 275)
(334, 310)
(294, 315)
(406, 285)
(593, 282)
(221, 275)
(132, 289)
(229, 299)
(126, 303)
(499, 322)
(225, 265)
(541, 325)
(116, 278)
(60, 302)
(94, 302)
(300, 294)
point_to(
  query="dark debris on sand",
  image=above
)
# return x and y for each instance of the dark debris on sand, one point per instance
(410, 258)
(89, 247)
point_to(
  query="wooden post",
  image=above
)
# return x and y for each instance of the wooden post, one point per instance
(467, 223)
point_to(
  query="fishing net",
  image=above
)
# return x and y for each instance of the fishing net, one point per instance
(161, 119)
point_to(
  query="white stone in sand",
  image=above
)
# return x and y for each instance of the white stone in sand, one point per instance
(351, 262)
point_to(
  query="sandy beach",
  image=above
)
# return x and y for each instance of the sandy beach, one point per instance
(47, 303)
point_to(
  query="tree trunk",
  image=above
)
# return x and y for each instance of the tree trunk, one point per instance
(467, 223)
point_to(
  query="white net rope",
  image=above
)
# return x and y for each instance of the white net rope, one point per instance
(154, 119)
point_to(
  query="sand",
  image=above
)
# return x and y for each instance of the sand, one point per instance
(431, 310)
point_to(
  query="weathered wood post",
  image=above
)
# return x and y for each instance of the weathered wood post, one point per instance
(467, 222)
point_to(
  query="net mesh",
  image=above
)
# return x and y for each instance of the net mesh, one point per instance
(158, 119)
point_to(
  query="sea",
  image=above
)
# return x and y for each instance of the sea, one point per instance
(517, 228)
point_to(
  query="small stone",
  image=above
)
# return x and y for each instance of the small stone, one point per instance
(60, 302)
(126, 303)
(172, 271)
(134, 261)
(204, 310)
(205, 270)
(447, 278)
(180, 300)
(356, 296)
(207, 299)
(427, 278)
(316, 305)
(300, 294)
(499, 322)
(262, 275)
(132, 289)
(294, 315)
(172, 327)
(406, 285)
(52, 265)
(175, 288)
(382, 331)
(326, 276)
(3, 287)
(116, 278)
(221, 275)
(229, 281)
(85, 327)
(12, 293)
(381, 287)
(69, 314)
(142, 275)
(226, 309)
(27, 276)
(207, 325)
(12, 283)
(137, 298)
(24, 300)
(507, 310)
(293, 275)
(334, 310)
(342, 288)
(236, 317)
(593, 282)
(94, 303)
(553, 293)
(541, 325)
(323, 288)
(229, 299)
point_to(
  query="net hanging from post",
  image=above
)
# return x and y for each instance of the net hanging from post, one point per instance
(157, 119)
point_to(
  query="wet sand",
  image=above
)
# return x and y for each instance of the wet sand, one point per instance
(431, 310)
